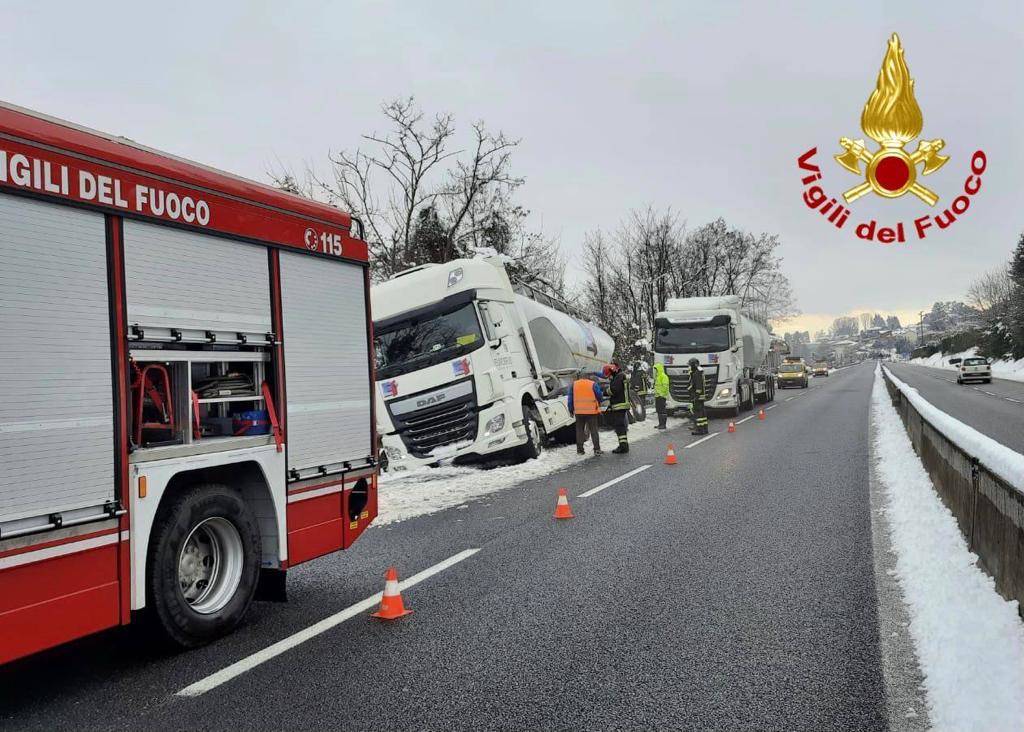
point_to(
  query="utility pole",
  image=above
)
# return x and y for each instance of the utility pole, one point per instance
(920, 328)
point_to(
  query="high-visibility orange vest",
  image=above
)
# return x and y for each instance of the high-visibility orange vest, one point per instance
(584, 401)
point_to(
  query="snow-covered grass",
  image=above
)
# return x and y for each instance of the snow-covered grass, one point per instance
(970, 641)
(1010, 370)
(403, 495)
(1004, 462)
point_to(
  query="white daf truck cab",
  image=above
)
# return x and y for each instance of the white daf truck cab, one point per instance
(733, 349)
(469, 365)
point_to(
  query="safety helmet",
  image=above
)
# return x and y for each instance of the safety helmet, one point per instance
(694, 363)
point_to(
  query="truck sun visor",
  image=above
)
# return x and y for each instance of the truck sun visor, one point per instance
(451, 302)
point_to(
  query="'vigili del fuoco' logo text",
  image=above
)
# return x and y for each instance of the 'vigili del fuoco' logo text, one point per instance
(892, 119)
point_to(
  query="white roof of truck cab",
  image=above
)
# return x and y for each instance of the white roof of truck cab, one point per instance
(431, 283)
(687, 304)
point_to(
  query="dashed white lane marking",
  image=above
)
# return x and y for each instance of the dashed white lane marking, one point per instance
(789, 399)
(272, 651)
(771, 407)
(702, 439)
(1015, 401)
(613, 481)
(746, 418)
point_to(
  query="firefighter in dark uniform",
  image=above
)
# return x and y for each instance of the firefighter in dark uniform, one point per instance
(618, 407)
(697, 396)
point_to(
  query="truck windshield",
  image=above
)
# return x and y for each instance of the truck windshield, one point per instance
(791, 368)
(692, 339)
(427, 340)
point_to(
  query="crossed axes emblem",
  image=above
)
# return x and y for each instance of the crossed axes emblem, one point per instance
(927, 152)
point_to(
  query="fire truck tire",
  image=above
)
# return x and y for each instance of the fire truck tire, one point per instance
(203, 565)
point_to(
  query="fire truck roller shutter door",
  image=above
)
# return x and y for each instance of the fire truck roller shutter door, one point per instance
(56, 405)
(195, 282)
(325, 354)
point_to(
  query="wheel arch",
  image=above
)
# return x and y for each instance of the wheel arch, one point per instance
(250, 481)
(257, 474)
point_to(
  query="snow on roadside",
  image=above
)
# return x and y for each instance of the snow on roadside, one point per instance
(969, 640)
(1002, 369)
(997, 457)
(404, 495)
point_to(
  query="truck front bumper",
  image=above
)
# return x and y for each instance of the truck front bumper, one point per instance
(494, 434)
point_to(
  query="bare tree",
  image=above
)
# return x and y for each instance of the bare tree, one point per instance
(991, 289)
(398, 174)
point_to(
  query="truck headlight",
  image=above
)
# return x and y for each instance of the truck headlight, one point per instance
(724, 392)
(393, 453)
(495, 424)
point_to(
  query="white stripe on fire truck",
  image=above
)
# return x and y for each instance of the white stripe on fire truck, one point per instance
(72, 547)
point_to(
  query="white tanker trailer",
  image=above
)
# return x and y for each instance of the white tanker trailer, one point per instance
(734, 350)
(467, 364)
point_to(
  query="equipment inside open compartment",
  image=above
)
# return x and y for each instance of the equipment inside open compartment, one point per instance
(189, 400)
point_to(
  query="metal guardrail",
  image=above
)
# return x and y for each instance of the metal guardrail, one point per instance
(989, 511)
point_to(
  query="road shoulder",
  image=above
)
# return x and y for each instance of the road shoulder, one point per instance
(905, 699)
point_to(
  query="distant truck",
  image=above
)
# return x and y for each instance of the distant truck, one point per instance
(734, 350)
(470, 365)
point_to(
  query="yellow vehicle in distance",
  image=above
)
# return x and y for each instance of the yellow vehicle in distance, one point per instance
(820, 369)
(793, 372)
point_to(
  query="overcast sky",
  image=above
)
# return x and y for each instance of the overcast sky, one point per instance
(701, 107)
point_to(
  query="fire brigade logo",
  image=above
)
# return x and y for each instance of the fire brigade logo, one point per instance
(892, 118)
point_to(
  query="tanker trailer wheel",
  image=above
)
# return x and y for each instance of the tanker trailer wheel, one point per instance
(536, 435)
(203, 564)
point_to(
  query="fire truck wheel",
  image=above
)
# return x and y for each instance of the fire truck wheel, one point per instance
(203, 564)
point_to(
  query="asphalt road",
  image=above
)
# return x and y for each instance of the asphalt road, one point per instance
(735, 590)
(995, 409)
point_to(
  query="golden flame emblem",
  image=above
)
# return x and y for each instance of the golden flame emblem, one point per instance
(892, 118)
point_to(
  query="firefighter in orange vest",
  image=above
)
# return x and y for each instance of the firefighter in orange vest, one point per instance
(585, 405)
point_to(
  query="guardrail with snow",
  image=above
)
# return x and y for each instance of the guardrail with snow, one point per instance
(980, 480)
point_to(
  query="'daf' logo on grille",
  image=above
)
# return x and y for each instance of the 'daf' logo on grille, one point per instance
(892, 118)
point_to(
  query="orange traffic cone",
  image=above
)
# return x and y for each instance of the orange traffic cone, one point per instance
(670, 458)
(760, 415)
(391, 606)
(562, 510)
(732, 427)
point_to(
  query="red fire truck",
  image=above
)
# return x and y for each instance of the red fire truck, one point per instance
(186, 405)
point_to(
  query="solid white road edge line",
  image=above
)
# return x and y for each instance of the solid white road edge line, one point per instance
(746, 418)
(286, 644)
(613, 481)
(702, 439)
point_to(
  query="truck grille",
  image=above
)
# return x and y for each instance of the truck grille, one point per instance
(424, 428)
(679, 385)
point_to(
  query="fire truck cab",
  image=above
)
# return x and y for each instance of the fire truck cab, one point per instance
(186, 401)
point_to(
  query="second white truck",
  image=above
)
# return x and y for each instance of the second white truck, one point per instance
(733, 349)
(470, 365)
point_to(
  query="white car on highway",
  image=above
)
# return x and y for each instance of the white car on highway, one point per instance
(974, 369)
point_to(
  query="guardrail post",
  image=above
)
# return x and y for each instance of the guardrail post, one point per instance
(974, 507)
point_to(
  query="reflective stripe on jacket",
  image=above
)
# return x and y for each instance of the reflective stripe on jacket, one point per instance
(584, 397)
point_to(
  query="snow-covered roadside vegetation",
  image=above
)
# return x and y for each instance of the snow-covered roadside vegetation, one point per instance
(1011, 370)
(969, 640)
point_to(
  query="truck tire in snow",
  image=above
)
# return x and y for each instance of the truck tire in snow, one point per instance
(536, 435)
(203, 564)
